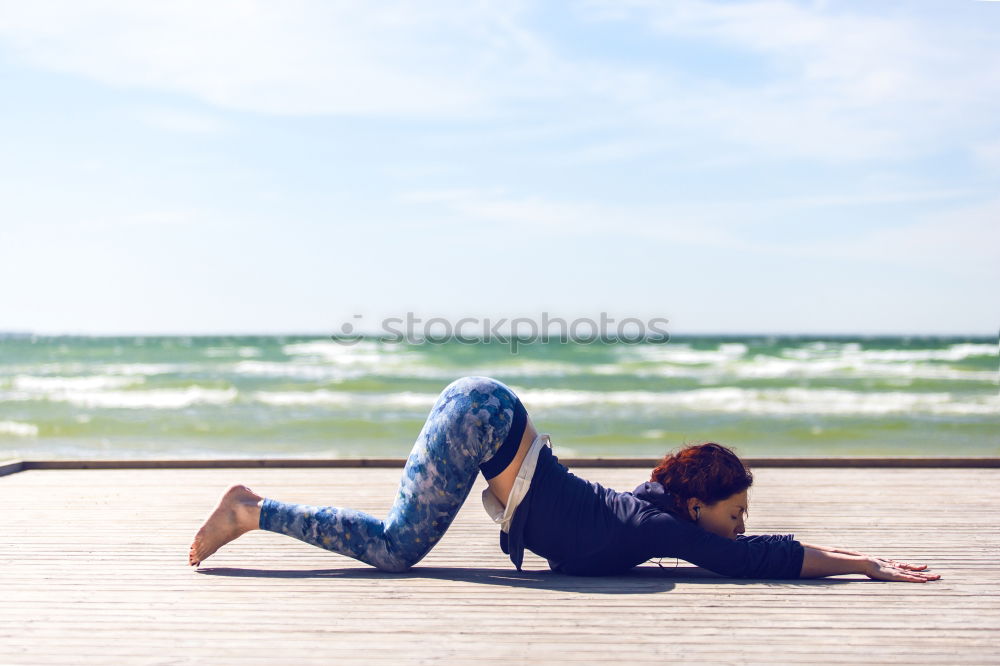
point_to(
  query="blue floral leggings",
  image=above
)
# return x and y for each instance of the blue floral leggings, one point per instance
(475, 425)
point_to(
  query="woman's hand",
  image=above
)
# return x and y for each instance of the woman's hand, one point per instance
(819, 561)
(879, 568)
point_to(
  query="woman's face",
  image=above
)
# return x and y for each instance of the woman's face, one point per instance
(724, 518)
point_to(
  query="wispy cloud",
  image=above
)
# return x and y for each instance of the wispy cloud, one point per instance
(957, 242)
(535, 216)
(179, 120)
(837, 84)
(834, 84)
(300, 58)
(961, 240)
(844, 139)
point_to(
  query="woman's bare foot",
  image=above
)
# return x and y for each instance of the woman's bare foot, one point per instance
(237, 513)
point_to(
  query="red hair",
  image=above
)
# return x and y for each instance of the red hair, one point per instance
(709, 472)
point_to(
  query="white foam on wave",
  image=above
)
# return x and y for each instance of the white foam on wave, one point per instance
(770, 367)
(296, 370)
(46, 384)
(151, 399)
(244, 352)
(854, 353)
(526, 368)
(956, 352)
(814, 359)
(398, 361)
(145, 369)
(817, 359)
(18, 429)
(345, 398)
(286, 398)
(335, 373)
(74, 368)
(406, 369)
(683, 354)
(359, 352)
(775, 402)
(760, 367)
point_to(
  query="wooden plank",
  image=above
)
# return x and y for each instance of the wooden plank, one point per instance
(93, 570)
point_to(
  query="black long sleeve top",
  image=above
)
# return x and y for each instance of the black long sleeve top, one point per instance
(583, 528)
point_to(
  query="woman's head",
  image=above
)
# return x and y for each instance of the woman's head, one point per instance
(709, 484)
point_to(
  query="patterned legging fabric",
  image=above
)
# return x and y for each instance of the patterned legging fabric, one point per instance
(471, 420)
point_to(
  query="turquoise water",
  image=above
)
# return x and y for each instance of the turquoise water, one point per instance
(302, 396)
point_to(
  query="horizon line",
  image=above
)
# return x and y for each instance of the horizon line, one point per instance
(369, 335)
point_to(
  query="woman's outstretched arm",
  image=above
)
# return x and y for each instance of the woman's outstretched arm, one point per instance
(820, 561)
(767, 556)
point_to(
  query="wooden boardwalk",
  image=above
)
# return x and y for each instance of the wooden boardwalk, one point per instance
(94, 570)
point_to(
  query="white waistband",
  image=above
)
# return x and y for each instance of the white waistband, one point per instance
(497, 511)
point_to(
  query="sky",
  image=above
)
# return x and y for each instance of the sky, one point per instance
(734, 167)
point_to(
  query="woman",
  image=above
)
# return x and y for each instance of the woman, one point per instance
(692, 508)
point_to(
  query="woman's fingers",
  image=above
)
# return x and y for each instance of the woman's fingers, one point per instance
(923, 575)
(906, 565)
(902, 565)
(892, 573)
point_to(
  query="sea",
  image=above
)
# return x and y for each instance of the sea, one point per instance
(308, 396)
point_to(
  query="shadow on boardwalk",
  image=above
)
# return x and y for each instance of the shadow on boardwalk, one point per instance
(641, 580)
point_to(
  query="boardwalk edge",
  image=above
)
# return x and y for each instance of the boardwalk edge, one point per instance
(9, 467)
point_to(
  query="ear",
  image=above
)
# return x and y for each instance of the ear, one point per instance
(691, 504)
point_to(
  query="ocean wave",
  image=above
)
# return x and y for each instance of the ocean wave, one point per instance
(759, 367)
(146, 369)
(820, 360)
(338, 360)
(956, 352)
(307, 371)
(728, 353)
(774, 402)
(339, 373)
(405, 370)
(770, 367)
(245, 352)
(18, 429)
(345, 398)
(149, 399)
(63, 383)
(683, 354)
(363, 352)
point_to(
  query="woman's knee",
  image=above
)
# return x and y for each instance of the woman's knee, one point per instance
(471, 385)
(493, 402)
(395, 565)
(397, 558)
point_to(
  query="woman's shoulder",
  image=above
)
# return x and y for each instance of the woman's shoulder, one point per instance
(572, 494)
(649, 499)
(655, 493)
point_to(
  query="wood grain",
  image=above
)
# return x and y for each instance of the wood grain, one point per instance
(94, 570)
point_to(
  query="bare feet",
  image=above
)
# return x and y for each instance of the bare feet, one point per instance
(237, 513)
